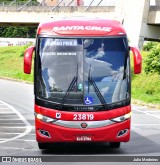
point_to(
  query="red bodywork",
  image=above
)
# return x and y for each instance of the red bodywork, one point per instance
(77, 27)
(102, 134)
(28, 59)
(138, 62)
(82, 27)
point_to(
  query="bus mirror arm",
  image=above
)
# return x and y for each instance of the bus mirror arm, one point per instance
(137, 60)
(28, 59)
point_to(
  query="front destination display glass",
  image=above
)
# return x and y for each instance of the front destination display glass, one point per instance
(82, 73)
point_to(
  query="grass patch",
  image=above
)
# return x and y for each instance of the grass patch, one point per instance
(11, 63)
(146, 87)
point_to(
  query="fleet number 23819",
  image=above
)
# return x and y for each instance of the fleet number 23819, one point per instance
(83, 116)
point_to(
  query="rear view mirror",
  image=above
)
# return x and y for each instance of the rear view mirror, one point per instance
(137, 60)
(28, 59)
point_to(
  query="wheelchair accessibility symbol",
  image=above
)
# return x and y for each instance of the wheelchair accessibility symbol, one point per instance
(88, 100)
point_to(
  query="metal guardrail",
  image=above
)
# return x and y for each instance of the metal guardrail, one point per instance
(17, 3)
(29, 5)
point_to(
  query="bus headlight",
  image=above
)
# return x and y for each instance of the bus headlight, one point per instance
(122, 118)
(44, 118)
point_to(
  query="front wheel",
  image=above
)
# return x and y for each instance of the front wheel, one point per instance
(115, 144)
(42, 145)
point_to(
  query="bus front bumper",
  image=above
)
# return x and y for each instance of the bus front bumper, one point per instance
(113, 132)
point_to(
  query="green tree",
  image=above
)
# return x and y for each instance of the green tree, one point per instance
(17, 32)
(152, 60)
(149, 45)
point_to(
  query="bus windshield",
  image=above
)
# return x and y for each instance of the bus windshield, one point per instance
(83, 71)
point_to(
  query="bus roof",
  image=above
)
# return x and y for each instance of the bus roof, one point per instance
(81, 27)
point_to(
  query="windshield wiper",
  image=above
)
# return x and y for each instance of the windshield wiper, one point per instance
(73, 82)
(96, 89)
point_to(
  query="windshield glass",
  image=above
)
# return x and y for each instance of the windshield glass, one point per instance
(84, 71)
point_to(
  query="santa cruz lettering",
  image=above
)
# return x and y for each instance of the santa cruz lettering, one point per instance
(94, 28)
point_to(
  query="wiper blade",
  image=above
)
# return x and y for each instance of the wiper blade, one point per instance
(98, 93)
(96, 89)
(74, 80)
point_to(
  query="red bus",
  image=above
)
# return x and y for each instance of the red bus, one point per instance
(82, 81)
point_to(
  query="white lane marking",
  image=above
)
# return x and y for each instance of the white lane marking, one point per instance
(5, 124)
(4, 108)
(155, 111)
(20, 139)
(145, 112)
(10, 133)
(6, 113)
(28, 126)
(26, 140)
(139, 127)
(143, 107)
(13, 127)
(11, 119)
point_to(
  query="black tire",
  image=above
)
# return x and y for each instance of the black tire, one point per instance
(115, 144)
(42, 145)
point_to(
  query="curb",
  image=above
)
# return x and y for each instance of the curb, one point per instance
(16, 80)
(149, 105)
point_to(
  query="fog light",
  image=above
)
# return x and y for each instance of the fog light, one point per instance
(44, 133)
(122, 132)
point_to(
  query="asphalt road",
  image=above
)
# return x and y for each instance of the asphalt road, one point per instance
(17, 133)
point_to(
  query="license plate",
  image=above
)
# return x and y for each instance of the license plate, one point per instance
(83, 138)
